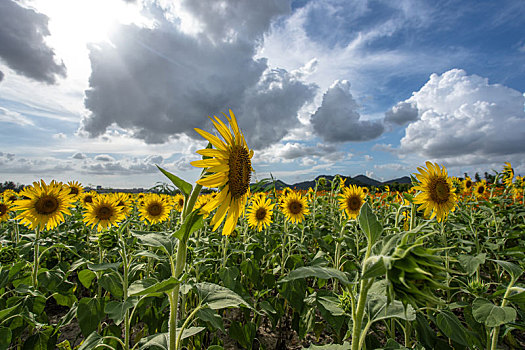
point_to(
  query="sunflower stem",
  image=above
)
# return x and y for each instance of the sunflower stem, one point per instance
(36, 259)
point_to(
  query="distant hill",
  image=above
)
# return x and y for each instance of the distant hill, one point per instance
(359, 180)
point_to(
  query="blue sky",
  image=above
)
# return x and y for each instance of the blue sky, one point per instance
(102, 91)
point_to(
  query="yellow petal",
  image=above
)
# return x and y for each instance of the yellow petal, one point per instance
(214, 140)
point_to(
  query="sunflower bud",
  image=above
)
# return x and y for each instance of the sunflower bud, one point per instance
(321, 181)
(414, 273)
(107, 240)
(8, 255)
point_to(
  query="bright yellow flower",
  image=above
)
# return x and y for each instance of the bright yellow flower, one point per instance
(260, 214)
(467, 184)
(508, 174)
(87, 197)
(123, 202)
(75, 189)
(294, 207)
(103, 212)
(154, 210)
(480, 188)
(351, 200)
(5, 209)
(437, 195)
(46, 205)
(231, 167)
(178, 202)
(10, 196)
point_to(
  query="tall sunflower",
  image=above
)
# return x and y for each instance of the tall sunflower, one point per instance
(230, 170)
(87, 197)
(467, 184)
(260, 214)
(437, 195)
(45, 205)
(123, 202)
(75, 189)
(4, 211)
(480, 189)
(155, 209)
(178, 202)
(508, 174)
(294, 207)
(10, 196)
(103, 212)
(351, 200)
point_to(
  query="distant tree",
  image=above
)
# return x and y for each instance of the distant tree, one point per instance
(477, 177)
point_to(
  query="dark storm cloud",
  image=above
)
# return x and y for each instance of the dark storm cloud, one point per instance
(22, 45)
(161, 82)
(338, 118)
(402, 113)
(1, 76)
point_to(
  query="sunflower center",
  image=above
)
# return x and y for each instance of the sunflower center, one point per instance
(353, 203)
(440, 191)
(104, 213)
(295, 207)
(468, 184)
(260, 214)
(154, 209)
(3, 209)
(73, 190)
(481, 189)
(46, 205)
(240, 171)
(181, 202)
(88, 199)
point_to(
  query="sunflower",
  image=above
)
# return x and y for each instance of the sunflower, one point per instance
(294, 207)
(45, 205)
(437, 195)
(154, 210)
(467, 184)
(365, 190)
(87, 197)
(10, 196)
(351, 200)
(178, 202)
(103, 212)
(4, 211)
(123, 202)
(480, 188)
(260, 214)
(231, 166)
(75, 189)
(508, 174)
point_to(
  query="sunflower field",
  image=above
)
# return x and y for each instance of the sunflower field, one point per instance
(250, 266)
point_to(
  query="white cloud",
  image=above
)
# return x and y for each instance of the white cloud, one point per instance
(7, 116)
(338, 118)
(104, 158)
(464, 117)
(59, 136)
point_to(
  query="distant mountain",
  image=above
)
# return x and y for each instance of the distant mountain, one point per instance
(401, 180)
(359, 180)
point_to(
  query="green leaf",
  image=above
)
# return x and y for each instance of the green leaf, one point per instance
(38, 341)
(212, 317)
(89, 315)
(491, 315)
(91, 341)
(369, 223)
(86, 277)
(344, 346)
(155, 240)
(471, 263)
(379, 309)
(192, 223)
(375, 266)
(116, 310)
(452, 327)
(514, 270)
(67, 318)
(244, 334)
(219, 297)
(332, 305)
(316, 271)
(7, 312)
(161, 339)
(103, 267)
(65, 300)
(518, 298)
(112, 283)
(150, 286)
(5, 338)
(182, 185)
